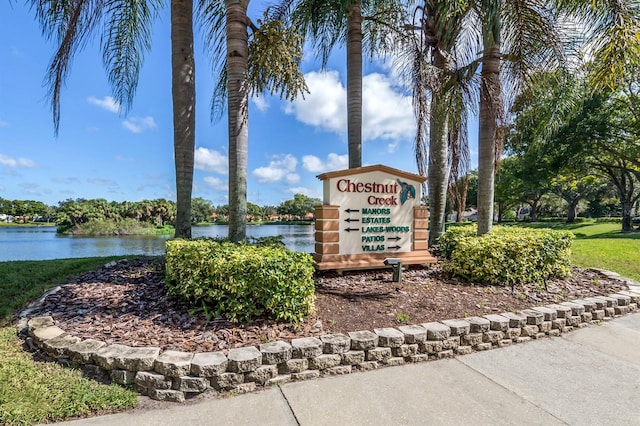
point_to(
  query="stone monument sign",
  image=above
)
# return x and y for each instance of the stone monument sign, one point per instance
(370, 214)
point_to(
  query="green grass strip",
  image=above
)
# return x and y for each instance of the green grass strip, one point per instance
(36, 392)
(614, 254)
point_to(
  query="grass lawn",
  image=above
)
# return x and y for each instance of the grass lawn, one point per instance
(35, 392)
(602, 245)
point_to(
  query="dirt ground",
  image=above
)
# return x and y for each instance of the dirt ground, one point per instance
(127, 303)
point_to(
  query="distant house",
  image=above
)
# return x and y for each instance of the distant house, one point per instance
(6, 217)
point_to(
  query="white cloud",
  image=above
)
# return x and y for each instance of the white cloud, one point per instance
(292, 178)
(386, 111)
(16, 162)
(325, 106)
(4, 123)
(281, 167)
(313, 164)
(139, 124)
(107, 103)
(260, 102)
(216, 183)
(211, 161)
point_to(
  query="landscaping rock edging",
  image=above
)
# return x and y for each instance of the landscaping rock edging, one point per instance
(174, 376)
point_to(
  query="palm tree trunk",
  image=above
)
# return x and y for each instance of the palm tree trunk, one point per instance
(487, 123)
(354, 85)
(438, 169)
(183, 91)
(238, 114)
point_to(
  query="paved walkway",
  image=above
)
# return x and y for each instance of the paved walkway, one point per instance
(587, 377)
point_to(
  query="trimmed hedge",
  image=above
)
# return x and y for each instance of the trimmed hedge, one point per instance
(507, 255)
(241, 282)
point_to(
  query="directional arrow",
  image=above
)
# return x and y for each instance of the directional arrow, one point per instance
(352, 211)
(396, 247)
(353, 229)
(351, 220)
(394, 238)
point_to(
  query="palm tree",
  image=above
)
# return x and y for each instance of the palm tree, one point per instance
(518, 37)
(356, 24)
(268, 61)
(126, 39)
(438, 64)
(521, 36)
(183, 92)
(237, 39)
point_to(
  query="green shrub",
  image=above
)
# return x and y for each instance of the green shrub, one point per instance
(509, 216)
(510, 255)
(241, 282)
(108, 227)
(448, 241)
(609, 220)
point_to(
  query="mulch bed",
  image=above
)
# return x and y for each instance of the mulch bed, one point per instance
(127, 303)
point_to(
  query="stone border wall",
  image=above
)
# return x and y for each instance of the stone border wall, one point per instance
(174, 376)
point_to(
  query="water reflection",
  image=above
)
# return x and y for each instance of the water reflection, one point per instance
(38, 243)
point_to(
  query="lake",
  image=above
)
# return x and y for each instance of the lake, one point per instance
(39, 243)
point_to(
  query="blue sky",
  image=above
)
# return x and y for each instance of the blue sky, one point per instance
(100, 153)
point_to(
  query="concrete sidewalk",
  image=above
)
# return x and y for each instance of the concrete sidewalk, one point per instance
(588, 377)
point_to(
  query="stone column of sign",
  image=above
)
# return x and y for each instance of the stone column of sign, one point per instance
(327, 230)
(420, 228)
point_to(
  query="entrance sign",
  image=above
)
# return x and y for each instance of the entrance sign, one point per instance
(370, 214)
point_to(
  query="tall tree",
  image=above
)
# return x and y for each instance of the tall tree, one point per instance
(183, 92)
(518, 36)
(438, 58)
(521, 36)
(126, 38)
(359, 25)
(267, 61)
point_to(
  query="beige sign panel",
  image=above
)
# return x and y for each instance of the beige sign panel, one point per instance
(370, 213)
(376, 211)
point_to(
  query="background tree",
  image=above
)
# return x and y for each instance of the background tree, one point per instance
(573, 187)
(201, 210)
(299, 206)
(506, 184)
(254, 211)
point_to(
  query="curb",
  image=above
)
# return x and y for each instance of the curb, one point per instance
(175, 376)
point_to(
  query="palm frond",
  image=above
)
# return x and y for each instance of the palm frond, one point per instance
(70, 24)
(324, 22)
(126, 39)
(211, 22)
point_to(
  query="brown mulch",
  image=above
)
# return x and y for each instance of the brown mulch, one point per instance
(127, 303)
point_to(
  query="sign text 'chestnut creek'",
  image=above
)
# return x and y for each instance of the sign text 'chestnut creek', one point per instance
(346, 185)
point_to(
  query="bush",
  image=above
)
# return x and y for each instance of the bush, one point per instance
(449, 240)
(609, 220)
(509, 216)
(241, 282)
(108, 227)
(509, 255)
